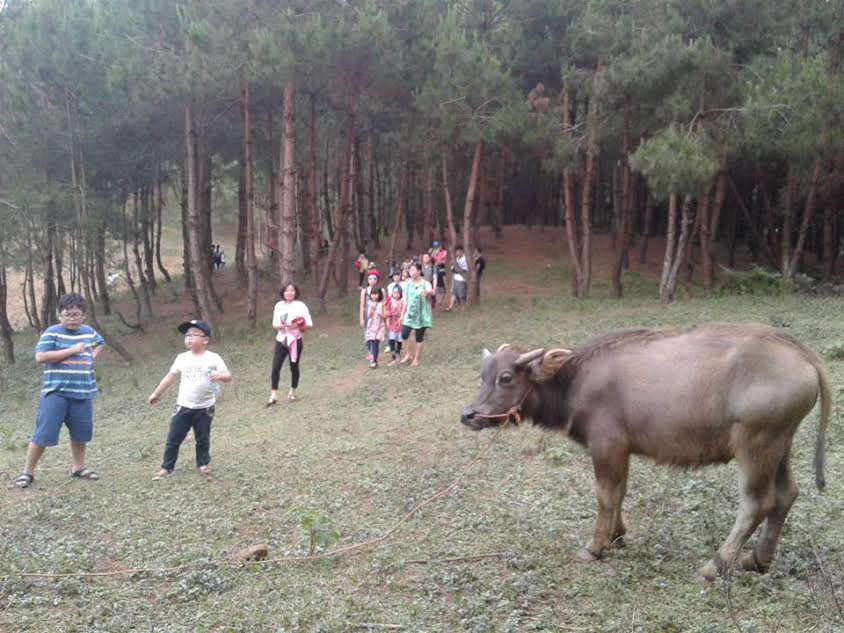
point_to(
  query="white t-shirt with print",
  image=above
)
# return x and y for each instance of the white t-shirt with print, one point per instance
(196, 389)
(462, 266)
(285, 313)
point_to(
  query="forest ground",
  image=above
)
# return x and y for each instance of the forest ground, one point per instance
(362, 448)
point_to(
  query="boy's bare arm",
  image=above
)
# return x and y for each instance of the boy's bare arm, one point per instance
(221, 376)
(165, 383)
(59, 355)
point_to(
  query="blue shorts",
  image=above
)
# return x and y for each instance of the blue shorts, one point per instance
(54, 409)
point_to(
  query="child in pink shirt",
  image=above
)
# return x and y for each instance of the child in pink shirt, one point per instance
(393, 309)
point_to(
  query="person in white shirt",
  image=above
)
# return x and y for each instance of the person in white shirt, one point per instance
(202, 372)
(291, 318)
(458, 280)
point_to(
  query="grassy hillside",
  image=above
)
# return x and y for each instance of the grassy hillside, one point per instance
(359, 450)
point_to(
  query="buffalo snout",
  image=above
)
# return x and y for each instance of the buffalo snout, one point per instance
(467, 417)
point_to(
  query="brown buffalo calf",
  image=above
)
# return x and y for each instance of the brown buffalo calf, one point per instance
(687, 397)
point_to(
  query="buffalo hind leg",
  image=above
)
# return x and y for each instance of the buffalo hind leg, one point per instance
(756, 486)
(786, 492)
(611, 470)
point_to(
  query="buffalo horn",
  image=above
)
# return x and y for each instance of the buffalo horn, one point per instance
(485, 354)
(527, 357)
(501, 347)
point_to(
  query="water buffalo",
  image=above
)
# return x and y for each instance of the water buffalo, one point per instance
(688, 397)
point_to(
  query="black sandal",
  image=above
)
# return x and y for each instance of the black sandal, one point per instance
(270, 403)
(24, 480)
(85, 473)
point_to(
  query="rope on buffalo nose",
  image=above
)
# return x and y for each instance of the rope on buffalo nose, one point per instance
(339, 551)
(513, 414)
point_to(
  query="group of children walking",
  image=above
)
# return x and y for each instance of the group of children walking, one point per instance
(399, 315)
(406, 307)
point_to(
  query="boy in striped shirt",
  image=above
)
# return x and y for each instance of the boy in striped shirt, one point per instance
(67, 351)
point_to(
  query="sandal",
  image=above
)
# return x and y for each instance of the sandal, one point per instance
(85, 473)
(161, 474)
(204, 469)
(292, 398)
(24, 480)
(270, 403)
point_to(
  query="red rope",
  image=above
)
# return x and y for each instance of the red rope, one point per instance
(514, 413)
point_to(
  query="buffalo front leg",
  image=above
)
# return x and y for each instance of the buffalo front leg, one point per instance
(757, 500)
(785, 491)
(611, 468)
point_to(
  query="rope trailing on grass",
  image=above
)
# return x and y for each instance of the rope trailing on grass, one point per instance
(339, 551)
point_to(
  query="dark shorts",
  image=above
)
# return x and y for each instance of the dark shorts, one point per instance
(406, 330)
(54, 409)
(458, 289)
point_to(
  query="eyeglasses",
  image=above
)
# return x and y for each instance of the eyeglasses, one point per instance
(72, 316)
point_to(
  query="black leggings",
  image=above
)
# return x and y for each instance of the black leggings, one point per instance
(419, 333)
(279, 355)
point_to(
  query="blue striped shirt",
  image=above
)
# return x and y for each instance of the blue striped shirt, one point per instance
(74, 376)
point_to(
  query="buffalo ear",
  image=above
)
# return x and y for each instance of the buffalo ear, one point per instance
(549, 364)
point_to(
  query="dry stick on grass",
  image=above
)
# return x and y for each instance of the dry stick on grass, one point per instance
(457, 559)
(828, 578)
(345, 550)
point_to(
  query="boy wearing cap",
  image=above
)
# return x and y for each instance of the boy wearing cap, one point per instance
(201, 372)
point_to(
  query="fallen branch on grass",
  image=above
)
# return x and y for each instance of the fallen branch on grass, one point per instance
(340, 551)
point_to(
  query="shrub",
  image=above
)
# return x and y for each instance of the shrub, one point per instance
(756, 281)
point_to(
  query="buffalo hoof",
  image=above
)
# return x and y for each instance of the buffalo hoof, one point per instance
(585, 555)
(751, 563)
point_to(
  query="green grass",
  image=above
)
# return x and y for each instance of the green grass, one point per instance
(361, 449)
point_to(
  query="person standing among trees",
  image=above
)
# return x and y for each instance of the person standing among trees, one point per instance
(417, 316)
(362, 266)
(429, 274)
(291, 318)
(480, 266)
(67, 351)
(372, 279)
(201, 372)
(458, 280)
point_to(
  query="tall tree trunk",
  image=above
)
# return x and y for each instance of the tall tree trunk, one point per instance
(625, 209)
(312, 203)
(159, 204)
(348, 227)
(391, 253)
(58, 251)
(240, 247)
(685, 230)
(708, 250)
(646, 228)
(127, 270)
(287, 221)
(100, 256)
(469, 209)
(49, 300)
(449, 209)
(6, 330)
(343, 204)
(146, 221)
(29, 282)
(198, 248)
(249, 197)
(829, 246)
(137, 253)
(369, 179)
(785, 241)
(808, 210)
(670, 239)
(428, 209)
